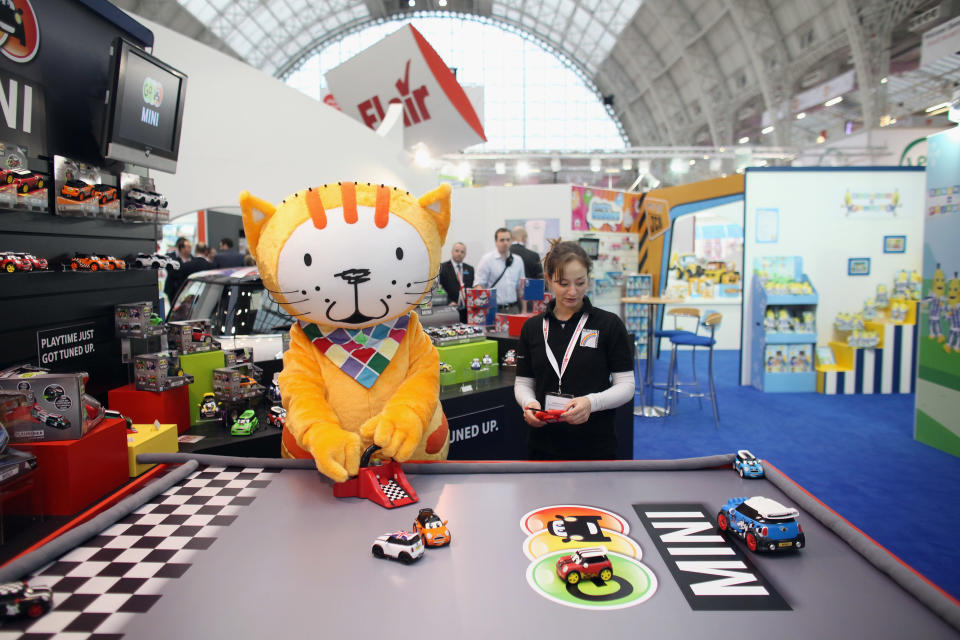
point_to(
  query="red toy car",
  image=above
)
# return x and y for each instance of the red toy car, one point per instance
(277, 417)
(550, 415)
(199, 335)
(585, 563)
(26, 181)
(35, 262)
(11, 262)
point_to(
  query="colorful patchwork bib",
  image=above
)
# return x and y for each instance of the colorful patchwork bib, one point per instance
(362, 354)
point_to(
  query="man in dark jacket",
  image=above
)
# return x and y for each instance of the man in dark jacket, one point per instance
(182, 255)
(199, 262)
(227, 256)
(532, 267)
(453, 272)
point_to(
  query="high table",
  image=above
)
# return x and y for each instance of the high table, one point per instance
(647, 408)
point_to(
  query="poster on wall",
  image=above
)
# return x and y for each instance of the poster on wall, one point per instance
(938, 371)
(539, 232)
(603, 209)
(865, 204)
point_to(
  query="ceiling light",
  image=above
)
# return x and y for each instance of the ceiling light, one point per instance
(744, 140)
(706, 157)
(716, 164)
(500, 167)
(722, 149)
(883, 80)
(421, 155)
(678, 165)
(555, 165)
(643, 166)
(801, 115)
(611, 170)
(523, 168)
(595, 164)
(937, 107)
(692, 162)
(767, 130)
(627, 164)
(821, 139)
(411, 3)
(442, 3)
(833, 101)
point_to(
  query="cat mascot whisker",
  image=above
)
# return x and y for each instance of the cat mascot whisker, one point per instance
(349, 261)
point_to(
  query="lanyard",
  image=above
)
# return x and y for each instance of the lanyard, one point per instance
(569, 352)
(457, 272)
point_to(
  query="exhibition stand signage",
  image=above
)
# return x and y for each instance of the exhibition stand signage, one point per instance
(403, 68)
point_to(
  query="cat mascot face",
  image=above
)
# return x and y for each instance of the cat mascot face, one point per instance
(351, 261)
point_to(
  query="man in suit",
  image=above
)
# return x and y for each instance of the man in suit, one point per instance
(227, 256)
(455, 274)
(532, 267)
(182, 254)
(201, 261)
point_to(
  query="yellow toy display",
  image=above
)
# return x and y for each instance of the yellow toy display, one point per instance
(953, 308)
(935, 302)
(351, 261)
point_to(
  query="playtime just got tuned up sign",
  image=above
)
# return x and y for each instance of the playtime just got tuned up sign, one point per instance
(55, 346)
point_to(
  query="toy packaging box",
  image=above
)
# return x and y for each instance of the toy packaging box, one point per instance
(511, 323)
(135, 320)
(800, 361)
(51, 406)
(140, 201)
(476, 298)
(237, 382)
(74, 183)
(775, 358)
(159, 372)
(191, 336)
(241, 355)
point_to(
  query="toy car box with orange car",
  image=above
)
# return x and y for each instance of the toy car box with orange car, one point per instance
(159, 372)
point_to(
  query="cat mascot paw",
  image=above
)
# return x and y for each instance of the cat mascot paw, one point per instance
(350, 262)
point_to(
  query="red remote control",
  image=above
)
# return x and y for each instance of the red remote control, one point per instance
(550, 415)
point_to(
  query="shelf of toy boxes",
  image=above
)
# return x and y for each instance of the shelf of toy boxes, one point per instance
(783, 358)
(635, 315)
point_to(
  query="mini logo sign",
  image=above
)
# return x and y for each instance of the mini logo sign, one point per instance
(712, 572)
(19, 30)
(153, 96)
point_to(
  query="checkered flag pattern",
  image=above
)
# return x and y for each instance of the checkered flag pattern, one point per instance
(393, 491)
(101, 584)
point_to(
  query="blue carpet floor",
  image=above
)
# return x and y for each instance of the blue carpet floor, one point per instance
(855, 453)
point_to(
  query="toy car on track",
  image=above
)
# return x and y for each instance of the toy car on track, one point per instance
(747, 465)
(26, 181)
(402, 545)
(764, 524)
(433, 530)
(19, 599)
(591, 562)
(277, 417)
(245, 424)
(76, 190)
(209, 407)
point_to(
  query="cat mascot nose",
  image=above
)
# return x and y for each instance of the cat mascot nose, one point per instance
(362, 379)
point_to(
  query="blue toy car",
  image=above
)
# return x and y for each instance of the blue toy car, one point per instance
(764, 524)
(747, 465)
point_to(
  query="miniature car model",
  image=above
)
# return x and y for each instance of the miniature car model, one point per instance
(245, 424)
(510, 358)
(26, 181)
(105, 193)
(76, 190)
(591, 562)
(19, 599)
(50, 419)
(402, 545)
(747, 465)
(277, 417)
(209, 407)
(432, 529)
(247, 382)
(199, 335)
(115, 263)
(35, 262)
(764, 524)
(550, 415)
(11, 262)
(83, 262)
(146, 198)
(155, 261)
(155, 320)
(446, 367)
(273, 392)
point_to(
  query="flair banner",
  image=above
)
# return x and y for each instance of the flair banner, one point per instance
(405, 69)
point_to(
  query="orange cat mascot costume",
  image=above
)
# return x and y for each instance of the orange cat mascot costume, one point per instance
(350, 261)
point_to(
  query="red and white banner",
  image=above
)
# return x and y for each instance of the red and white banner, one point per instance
(404, 68)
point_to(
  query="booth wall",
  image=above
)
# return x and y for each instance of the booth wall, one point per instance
(477, 213)
(243, 129)
(813, 225)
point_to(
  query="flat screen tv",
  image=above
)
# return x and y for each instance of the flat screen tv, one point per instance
(591, 246)
(144, 109)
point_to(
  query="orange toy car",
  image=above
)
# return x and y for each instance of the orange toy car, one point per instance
(83, 262)
(433, 530)
(76, 190)
(105, 193)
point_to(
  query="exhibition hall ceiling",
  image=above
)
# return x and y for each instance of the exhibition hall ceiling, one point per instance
(674, 72)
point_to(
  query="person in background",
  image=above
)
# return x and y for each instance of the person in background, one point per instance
(201, 261)
(227, 256)
(532, 267)
(500, 270)
(182, 254)
(456, 275)
(576, 358)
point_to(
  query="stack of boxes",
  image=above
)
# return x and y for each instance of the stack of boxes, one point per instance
(481, 306)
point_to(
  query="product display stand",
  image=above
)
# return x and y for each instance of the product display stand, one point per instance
(771, 368)
(647, 408)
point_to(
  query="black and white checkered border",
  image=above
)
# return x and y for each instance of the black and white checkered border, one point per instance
(101, 584)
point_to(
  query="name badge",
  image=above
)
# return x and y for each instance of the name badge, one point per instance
(557, 401)
(589, 338)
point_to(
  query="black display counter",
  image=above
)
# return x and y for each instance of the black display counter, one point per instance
(485, 424)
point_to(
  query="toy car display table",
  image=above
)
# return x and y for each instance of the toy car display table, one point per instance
(245, 552)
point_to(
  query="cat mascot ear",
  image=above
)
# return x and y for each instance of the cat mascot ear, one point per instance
(256, 213)
(437, 204)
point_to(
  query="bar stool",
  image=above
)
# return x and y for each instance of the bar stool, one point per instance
(685, 314)
(711, 321)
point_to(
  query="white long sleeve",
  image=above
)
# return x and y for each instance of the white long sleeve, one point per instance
(523, 391)
(621, 392)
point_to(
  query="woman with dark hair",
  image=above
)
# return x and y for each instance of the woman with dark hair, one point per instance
(576, 359)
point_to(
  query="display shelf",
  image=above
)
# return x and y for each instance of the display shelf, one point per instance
(782, 362)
